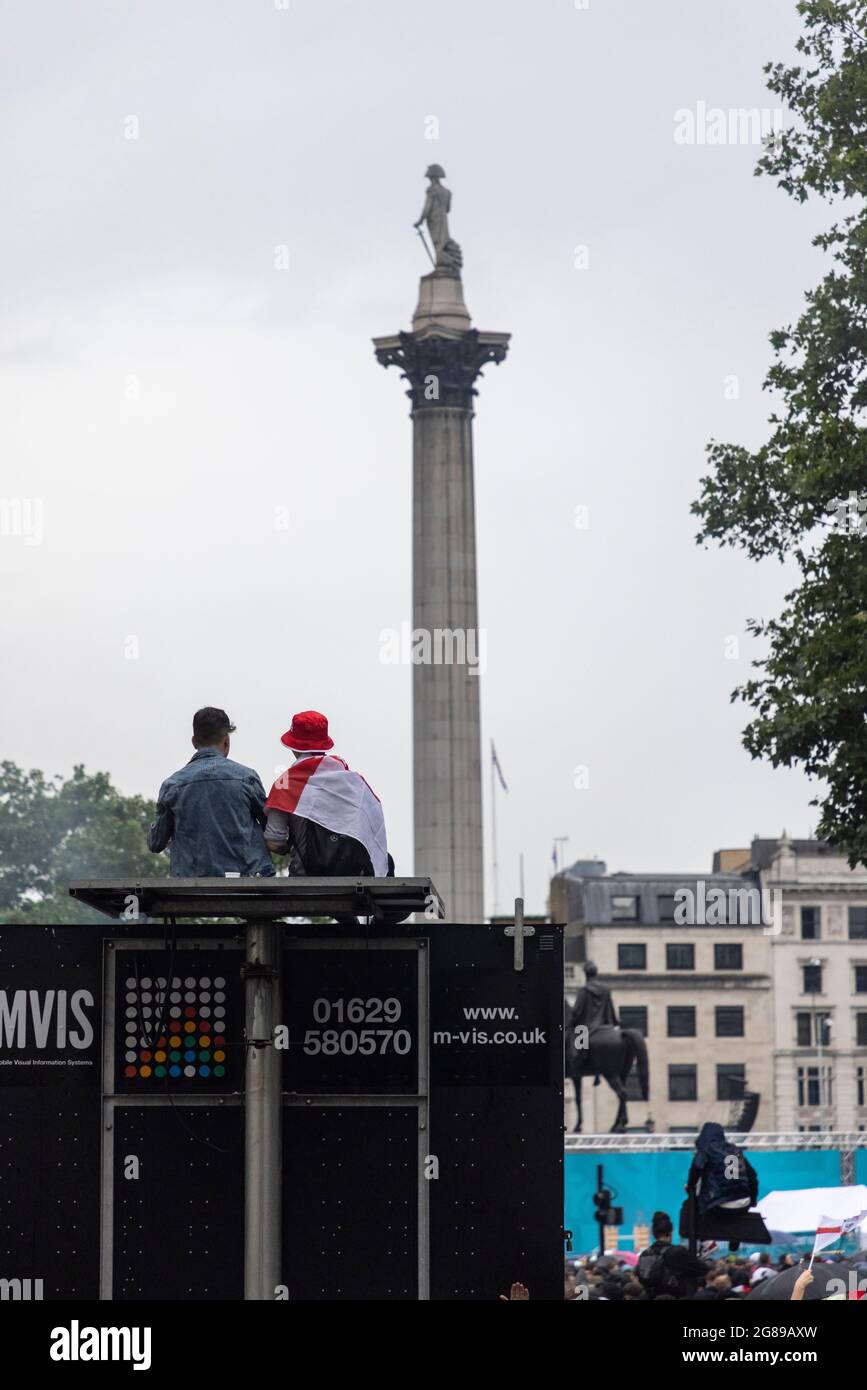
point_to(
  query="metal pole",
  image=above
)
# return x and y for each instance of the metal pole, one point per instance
(816, 962)
(819, 1027)
(263, 1103)
(494, 830)
(558, 841)
(599, 1186)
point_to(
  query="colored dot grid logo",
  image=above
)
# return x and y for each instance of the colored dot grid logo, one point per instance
(175, 1029)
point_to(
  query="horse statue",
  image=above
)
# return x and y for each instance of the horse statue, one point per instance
(597, 1046)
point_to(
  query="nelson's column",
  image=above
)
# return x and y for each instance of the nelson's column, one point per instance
(441, 359)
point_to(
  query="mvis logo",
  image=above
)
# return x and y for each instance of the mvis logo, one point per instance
(46, 1020)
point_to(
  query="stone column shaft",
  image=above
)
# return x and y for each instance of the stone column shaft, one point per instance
(441, 362)
(446, 730)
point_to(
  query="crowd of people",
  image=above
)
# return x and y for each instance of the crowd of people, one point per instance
(667, 1271)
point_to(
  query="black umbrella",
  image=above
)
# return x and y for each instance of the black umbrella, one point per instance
(779, 1287)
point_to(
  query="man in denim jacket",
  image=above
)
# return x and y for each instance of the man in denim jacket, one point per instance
(212, 811)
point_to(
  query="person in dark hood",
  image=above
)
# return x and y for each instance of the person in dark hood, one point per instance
(721, 1176)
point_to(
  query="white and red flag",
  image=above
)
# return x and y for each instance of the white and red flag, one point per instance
(832, 1229)
(324, 789)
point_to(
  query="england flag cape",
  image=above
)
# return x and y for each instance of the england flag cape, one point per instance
(324, 789)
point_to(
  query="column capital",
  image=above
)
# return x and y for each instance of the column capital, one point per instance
(441, 368)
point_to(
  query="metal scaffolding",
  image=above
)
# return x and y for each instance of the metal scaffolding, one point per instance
(844, 1140)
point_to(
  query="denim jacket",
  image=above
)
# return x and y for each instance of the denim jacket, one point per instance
(212, 812)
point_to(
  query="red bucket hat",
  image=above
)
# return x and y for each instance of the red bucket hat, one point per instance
(309, 733)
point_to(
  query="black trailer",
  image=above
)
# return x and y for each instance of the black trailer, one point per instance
(257, 1109)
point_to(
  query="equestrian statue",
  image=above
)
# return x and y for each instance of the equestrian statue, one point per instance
(597, 1046)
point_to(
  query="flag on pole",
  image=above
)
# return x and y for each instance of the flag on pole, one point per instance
(832, 1229)
(496, 763)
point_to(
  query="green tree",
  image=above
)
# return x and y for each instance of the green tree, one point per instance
(801, 496)
(53, 831)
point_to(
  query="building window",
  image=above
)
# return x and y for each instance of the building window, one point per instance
(731, 1078)
(624, 908)
(681, 1021)
(812, 979)
(811, 923)
(680, 956)
(635, 1016)
(728, 955)
(861, 1030)
(858, 923)
(730, 1021)
(859, 1084)
(632, 956)
(814, 1029)
(665, 907)
(808, 1086)
(682, 1082)
(861, 979)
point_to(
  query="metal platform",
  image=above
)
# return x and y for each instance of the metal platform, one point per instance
(270, 899)
(668, 1143)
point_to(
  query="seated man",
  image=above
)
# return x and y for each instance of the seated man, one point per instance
(212, 811)
(324, 816)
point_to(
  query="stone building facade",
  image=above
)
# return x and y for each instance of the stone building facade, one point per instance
(819, 966)
(699, 991)
(750, 979)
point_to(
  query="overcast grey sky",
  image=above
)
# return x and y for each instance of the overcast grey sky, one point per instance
(167, 391)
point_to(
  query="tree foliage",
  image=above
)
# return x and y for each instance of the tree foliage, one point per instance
(54, 831)
(803, 494)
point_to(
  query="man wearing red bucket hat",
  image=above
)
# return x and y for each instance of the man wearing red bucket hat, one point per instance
(323, 814)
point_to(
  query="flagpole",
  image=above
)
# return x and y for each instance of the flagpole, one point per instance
(494, 830)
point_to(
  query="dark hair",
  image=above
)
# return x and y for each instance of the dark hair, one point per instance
(661, 1224)
(211, 725)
